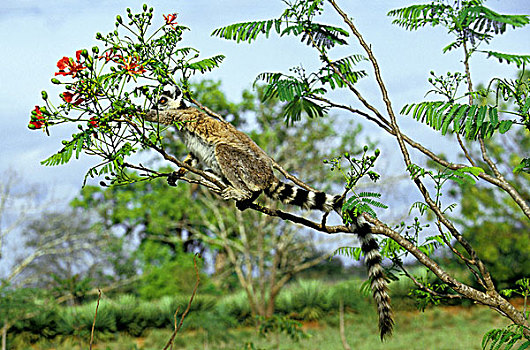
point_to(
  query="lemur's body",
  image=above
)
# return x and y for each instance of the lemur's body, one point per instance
(247, 170)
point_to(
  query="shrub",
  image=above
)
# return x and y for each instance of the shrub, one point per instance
(306, 300)
(235, 308)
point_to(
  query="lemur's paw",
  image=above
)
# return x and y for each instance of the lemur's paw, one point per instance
(235, 194)
(175, 176)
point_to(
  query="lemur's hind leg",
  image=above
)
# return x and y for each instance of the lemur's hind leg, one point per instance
(245, 204)
(190, 160)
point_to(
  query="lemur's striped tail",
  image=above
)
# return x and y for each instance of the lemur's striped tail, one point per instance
(378, 283)
(289, 194)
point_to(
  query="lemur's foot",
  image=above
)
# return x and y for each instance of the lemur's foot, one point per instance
(175, 176)
(235, 194)
(244, 204)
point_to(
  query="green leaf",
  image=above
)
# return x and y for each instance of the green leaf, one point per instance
(505, 125)
(518, 60)
(350, 252)
(247, 31)
(471, 121)
(207, 64)
(416, 16)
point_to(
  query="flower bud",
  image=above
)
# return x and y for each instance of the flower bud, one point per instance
(377, 152)
(44, 95)
(99, 36)
(55, 81)
(84, 53)
(95, 50)
(365, 148)
(145, 7)
(118, 18)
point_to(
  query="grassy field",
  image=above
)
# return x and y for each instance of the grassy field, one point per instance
(450, 328)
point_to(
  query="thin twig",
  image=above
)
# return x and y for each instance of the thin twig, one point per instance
(345, 344)
(170, 342)
(293, 178)
(209, 111)
(464, 149)
(94, 323)
(427, 289)
(175, 322)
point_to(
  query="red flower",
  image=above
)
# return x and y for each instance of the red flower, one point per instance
(68, 97)
(93, 122)
(170, 19)
(68, 63)
(132, 67)
(110, 54)
(37, 120)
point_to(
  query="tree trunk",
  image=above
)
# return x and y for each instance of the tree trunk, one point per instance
(4, 335)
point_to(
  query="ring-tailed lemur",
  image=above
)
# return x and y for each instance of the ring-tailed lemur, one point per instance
(247, 171)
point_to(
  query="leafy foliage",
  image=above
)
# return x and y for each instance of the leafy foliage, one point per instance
(471, 121)
(100, 99)
(207, 64)
(518, 60)
(296, 91)
(467, 20)
(506, 338)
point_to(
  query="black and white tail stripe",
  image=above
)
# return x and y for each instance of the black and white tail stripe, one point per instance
(289, 194)
(373, 260)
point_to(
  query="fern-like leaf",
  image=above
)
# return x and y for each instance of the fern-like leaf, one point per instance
(281, 86)
(321, 35)
(506, 338)
(350, 252)
(293, 110)
(422, 207)
(248, 31)
(484, 20)
(65, 154)
(344, 66)
(207, 64)
(470, 121)
(416, 16)
(518, 60)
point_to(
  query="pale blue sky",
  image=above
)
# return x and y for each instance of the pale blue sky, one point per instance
(35, 34)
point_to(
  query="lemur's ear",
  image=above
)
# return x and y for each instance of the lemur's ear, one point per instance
(178, 93)
(168, 93)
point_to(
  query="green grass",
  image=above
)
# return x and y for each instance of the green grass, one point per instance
(450, 328)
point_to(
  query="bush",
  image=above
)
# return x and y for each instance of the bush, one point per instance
(306, 300)
(235, 309)
(78, 320)
(351, 295)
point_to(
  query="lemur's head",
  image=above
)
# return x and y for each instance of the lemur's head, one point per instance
(168, 101)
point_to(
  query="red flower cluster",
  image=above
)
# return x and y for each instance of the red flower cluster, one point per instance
(130, 64)
(171, 19)
(132, 67)
(69, 97)
(68, 63)
(93, 122)
(110, 54)
(38, 120)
